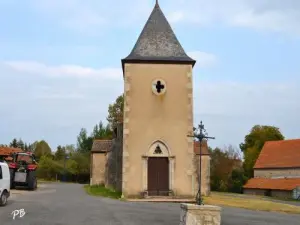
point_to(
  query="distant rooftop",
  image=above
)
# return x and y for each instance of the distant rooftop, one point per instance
(279, 154)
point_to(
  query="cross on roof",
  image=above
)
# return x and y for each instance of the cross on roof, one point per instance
(159, 86)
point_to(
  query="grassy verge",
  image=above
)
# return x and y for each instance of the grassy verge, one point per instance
(100, 190)
(254, 203)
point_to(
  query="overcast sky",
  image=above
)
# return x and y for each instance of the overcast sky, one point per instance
(60, 63)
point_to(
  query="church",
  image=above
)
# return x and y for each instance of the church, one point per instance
(151, 153)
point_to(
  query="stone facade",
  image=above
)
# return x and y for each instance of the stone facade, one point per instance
(98, 168)
(106, 168)
(277, 172)
(200, 215)
(274, 193)
(169, 124)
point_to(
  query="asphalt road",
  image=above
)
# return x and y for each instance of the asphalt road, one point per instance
(68, 204)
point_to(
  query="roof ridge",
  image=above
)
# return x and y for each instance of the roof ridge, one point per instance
(285, 140)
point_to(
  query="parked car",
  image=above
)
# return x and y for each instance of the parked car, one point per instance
(4, 183)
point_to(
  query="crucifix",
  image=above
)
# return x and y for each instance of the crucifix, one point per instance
(159, 87)
(200, 136)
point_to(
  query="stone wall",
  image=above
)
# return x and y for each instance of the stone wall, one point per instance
(282, 194)
(273, 193)
(254, 191)
(268, 173)
(205, 174)
(191, 214)
(98, 168)
(113, 173)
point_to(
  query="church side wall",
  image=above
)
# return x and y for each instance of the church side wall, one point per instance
(114, 162)
(148, 118)
(114, 166)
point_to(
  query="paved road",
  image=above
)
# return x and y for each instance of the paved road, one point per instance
(67, 204)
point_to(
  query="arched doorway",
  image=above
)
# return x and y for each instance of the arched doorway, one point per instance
(158, 170)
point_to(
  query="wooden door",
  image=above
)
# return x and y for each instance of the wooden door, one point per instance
(158, 176)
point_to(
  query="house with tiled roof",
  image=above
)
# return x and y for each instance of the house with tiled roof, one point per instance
(277, 170)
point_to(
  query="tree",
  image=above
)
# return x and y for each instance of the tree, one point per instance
(223, 163)
(254, 142)
(83, 162)
(115, 112)
(32, 147)
(101, 132)
(26, 148)
(48, 168)
(237, 180)
(84, 142)
(42, 149)
(60, 153)
(70, 149)
(20, 144)
(14, 143)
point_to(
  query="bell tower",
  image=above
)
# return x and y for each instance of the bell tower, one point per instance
(158, 114)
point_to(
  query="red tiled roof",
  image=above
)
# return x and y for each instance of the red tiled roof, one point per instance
(5, 151)
(204, 148)
(287, 184)
(279, 154)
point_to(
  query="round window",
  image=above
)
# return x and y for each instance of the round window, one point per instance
(159, 86)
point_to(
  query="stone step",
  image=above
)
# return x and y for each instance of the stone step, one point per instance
(160, 199)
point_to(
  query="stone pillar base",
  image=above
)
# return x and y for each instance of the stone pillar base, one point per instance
(192, 214)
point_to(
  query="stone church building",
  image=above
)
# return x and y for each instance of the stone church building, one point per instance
(150, 154)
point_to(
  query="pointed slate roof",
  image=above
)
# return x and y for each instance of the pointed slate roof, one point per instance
(157, 43)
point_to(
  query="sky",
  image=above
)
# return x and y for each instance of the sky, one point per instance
(60, 64)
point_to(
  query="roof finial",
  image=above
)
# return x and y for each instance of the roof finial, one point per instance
(156, 2)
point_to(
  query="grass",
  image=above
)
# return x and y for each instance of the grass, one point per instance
(100, 190)
(246, 202)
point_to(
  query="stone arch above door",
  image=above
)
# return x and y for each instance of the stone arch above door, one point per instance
(158, 149)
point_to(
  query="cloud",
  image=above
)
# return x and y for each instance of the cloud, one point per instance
(52, 107)
(52, 103)
(264, 15)
(92, 16)
(75, 14)
(33, 67)
(203, 59)
(175, 17)
(230, 109)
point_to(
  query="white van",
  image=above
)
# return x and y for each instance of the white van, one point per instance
(4, 183)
